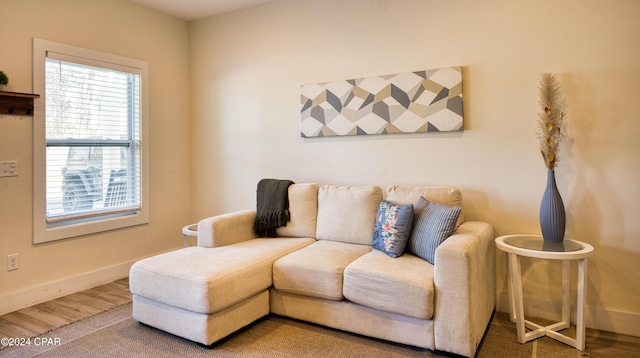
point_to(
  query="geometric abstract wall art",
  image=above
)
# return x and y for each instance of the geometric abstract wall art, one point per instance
(423, 101)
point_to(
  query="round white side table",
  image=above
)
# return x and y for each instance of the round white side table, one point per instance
(517, 246)
(189, 230)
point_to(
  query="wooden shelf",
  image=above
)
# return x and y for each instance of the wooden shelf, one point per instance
(17, 103)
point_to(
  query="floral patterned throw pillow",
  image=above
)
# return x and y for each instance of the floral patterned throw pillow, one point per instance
(392, 228)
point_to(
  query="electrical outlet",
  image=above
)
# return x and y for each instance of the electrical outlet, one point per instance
(13, 262)
(9, 168)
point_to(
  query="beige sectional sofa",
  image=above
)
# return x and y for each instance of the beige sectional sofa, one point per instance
(322, 268)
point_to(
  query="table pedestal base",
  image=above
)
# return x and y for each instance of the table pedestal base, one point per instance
(537, 331)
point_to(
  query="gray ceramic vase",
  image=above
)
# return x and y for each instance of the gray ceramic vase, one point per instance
(552, 214)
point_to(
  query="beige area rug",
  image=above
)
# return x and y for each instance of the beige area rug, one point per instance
(116, 334)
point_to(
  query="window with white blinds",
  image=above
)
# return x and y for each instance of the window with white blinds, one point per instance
(93, 176)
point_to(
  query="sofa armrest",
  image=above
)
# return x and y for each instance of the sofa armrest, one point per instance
(464, 279)
(226, 229)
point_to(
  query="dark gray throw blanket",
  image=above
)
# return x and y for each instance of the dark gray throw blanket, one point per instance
(272, 206)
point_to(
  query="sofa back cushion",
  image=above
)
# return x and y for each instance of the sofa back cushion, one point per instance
(450, 196)
(347, 213)
(303, 209)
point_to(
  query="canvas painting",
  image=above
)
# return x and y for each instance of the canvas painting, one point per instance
(422, 101)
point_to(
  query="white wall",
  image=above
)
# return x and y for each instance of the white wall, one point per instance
(246, 69)
(117, 27)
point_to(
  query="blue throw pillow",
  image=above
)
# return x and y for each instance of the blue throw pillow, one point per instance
(393, 227)
(433, 223)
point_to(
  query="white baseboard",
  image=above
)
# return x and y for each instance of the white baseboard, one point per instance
(595, 317)
(50, 291)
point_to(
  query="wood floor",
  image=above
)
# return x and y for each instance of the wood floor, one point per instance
(41, 318)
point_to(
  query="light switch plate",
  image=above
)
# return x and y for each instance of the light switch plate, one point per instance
(9, 168)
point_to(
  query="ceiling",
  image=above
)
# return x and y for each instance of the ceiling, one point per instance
(191, 10)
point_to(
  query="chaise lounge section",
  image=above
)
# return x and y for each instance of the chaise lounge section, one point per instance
(321, 268)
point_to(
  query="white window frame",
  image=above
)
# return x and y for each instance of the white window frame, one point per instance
(42, 231)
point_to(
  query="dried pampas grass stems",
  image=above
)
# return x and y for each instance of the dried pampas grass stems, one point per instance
(550, 119)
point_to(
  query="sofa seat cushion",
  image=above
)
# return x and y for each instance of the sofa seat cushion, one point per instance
(207, 280)
(316, 270)
(402, 285)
